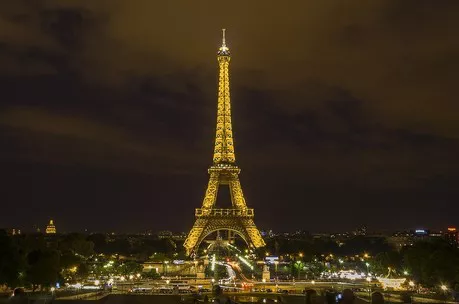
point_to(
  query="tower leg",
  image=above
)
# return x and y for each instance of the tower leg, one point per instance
(193, 238)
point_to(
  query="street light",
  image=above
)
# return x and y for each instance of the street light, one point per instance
(275, 264)
(166, 262)
(299, 268)
(369, 288)
(444, 287)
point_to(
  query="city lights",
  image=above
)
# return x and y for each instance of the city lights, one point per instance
(243, 260)
(321, 157)
(395, 284)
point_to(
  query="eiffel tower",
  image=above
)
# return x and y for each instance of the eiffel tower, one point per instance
(239, 218)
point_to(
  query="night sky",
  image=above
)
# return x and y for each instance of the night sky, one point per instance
(344, 112)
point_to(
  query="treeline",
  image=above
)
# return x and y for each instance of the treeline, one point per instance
(40, 260)
(429, 263)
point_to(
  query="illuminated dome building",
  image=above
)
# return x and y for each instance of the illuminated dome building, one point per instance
(51, 229)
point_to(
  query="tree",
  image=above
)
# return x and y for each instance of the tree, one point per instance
(315, 269)
(130, 268)
(10, 261)
(297, 268)
(361, 244)
(100, 242)
(385, 260)
(77, 244)
(43, 268)
(82, 271)
(433, 262)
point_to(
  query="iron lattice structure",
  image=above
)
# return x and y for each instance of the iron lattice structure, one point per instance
(239, 218)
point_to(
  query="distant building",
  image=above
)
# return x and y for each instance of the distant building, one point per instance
(267, 233)
(36, 229)
(400, 239)
(14, 231)
(361, 231)
(179, 236)
(435, 234)
(409, 238)
(50, 229)
(451, 235)
(421, 233)
(165, 234)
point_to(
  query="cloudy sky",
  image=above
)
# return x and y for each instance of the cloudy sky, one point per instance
(345, 112)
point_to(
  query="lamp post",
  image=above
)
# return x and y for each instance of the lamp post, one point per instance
(122, 284)
(165, 263)
(275, 264)
(369, 288)
(299, 268)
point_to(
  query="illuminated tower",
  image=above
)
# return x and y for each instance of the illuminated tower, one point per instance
(50, 229)
(239, 218)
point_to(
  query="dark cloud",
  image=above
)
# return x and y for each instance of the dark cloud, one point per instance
(348, 106)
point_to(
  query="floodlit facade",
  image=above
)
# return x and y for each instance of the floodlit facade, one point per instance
(50, 229)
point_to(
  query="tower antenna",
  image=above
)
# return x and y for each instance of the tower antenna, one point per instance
(223, 39)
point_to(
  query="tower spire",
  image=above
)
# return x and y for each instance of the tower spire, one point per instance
(224, 148)
(223, 50)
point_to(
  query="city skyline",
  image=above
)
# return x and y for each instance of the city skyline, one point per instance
(343, 116)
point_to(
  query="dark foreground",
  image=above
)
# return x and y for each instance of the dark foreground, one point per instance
(170, 299)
